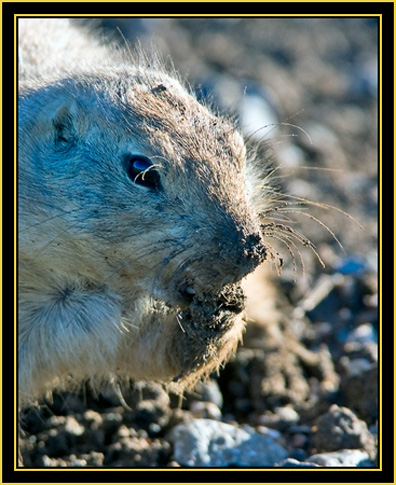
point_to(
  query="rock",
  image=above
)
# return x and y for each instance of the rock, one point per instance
(293, 463)
(340, 428)
(137, 451)
(280, 418)
(204, 409)
(355, 458)
(359, 387)
(362, 334)
(210, 392)
(73, 427)
(209, 443)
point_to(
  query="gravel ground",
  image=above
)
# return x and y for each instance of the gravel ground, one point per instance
(302, 390)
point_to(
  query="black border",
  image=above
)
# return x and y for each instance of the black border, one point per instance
(219, 9)
(386, 475)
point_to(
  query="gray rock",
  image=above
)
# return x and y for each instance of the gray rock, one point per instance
(340, 428)
(204, 409)
(342, 458)
(210, 391)
(210, 443)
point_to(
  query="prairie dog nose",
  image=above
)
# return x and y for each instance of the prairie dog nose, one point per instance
(244, 253)
(255, 247)
(255, 251)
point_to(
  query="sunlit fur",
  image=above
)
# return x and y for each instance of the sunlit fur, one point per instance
(102, 261)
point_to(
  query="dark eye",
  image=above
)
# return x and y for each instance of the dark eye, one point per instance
(142, 172)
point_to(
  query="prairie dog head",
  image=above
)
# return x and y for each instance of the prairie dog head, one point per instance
(127, 181)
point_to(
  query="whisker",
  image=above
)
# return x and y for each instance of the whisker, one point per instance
(168, 260)
(49, 219)
(322, 205)
(292, 233)
(275, 257)
(284, 241)
(179, 318)
(161, 157)
(298, 128)
(148, 250)
(289, 209)
(306, 167)
(322, 224)
(50, 243)
(249, 137)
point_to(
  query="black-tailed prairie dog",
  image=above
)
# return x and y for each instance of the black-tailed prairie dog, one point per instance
(140, 213)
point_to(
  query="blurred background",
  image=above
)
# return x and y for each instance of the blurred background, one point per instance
(307, 88)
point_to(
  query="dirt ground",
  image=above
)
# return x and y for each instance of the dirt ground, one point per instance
(307, 87)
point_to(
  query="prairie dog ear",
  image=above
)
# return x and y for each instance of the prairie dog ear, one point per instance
(67, 125)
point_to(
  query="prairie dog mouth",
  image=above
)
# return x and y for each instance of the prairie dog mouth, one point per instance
(211, 310)
(205, 322)
(230, 298)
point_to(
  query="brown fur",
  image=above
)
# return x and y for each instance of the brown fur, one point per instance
(118, 281)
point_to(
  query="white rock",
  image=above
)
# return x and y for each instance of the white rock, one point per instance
(342, 458)
(210, 443)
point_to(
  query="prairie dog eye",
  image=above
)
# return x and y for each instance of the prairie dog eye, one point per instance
(141, 171)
